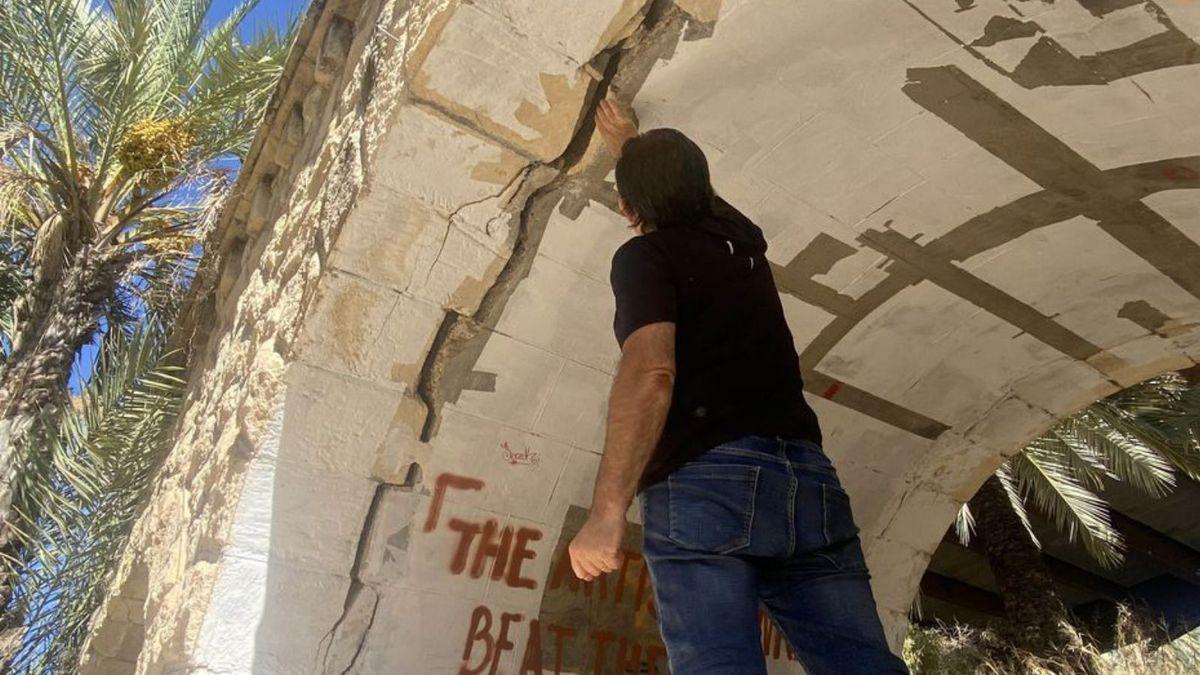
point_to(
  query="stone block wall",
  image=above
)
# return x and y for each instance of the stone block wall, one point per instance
(978, 223)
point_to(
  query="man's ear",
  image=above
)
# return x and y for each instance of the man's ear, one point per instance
(628, 212)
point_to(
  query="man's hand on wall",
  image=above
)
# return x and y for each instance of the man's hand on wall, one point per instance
(615, 126)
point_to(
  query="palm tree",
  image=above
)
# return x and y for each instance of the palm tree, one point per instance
(90, 480)
(1142, 436)
(120, 121)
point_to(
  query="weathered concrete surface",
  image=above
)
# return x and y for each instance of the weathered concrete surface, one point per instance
(981, 218)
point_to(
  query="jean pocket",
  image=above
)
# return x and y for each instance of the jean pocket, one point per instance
(712, 506)
(838, 518)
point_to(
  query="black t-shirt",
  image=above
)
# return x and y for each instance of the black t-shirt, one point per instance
(737, 372)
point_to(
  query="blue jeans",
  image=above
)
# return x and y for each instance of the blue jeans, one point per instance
(760, 519)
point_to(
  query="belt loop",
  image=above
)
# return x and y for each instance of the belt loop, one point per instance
(782, 446)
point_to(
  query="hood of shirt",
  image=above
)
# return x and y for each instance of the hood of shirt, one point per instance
(741, 234)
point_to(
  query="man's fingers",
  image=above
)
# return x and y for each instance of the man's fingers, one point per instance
(605, 119)
(604, 563)
(577, 568)
(590, 568)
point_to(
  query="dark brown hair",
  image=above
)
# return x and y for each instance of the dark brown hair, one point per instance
(663, 176)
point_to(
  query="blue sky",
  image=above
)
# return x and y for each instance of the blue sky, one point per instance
(268, 11)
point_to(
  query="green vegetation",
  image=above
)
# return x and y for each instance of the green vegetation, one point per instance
(121, 125)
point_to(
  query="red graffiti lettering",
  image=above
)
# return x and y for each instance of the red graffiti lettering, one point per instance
(493, 646)
(627, 555)
(496, 545)
(531, 663)
(601, 638)
(520, 554)
(481, 629)
(503, 644)
(467, 532)
(560, 632)
(489, 548)
(629, 657)
(653, 654)
(444, 481)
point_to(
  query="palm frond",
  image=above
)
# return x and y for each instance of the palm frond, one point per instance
(1007, 481)
(1050, 485)
(1126, 456)
(964, 524)
(85, 482)
(232, 91)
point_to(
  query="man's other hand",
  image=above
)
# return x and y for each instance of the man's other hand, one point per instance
(596, 549)
(614, 125)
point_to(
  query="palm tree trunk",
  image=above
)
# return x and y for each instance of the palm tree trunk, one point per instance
(34, 381)
(1037, 619)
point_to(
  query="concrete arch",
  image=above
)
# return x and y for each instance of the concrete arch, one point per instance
(978, 224)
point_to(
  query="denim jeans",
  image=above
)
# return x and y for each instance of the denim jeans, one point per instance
(760, 520)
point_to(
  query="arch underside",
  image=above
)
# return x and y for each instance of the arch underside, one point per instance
(981, 218)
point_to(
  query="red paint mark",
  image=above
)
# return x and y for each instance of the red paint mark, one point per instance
(1176, 172)
(563, 571)
(600, 638)
(629, 654)
(487, 643)
(467, 532)
(653, 653)
(626, 556)
(772, 638)
(559, 633)
(832, 390)
(531, 663)
(444, 481)
(629, 657)
(503, 644)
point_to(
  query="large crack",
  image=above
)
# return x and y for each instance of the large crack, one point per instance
(460, 338)
(357, 586)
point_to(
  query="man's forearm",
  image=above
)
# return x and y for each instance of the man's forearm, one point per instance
(637, 410)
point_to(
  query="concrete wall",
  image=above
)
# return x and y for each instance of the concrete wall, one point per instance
(982, 216)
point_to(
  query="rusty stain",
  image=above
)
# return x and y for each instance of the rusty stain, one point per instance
(562, 114)
(501, 171)
(349, 312)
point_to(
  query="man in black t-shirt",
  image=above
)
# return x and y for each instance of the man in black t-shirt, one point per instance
(707, 423)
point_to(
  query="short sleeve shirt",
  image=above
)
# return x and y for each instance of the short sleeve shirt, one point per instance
(642, 285)
(737, 371)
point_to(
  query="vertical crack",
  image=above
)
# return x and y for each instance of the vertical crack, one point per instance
(357, 585)
(460, 338)
(362, 639)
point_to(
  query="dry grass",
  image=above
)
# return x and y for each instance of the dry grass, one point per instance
(960, 650)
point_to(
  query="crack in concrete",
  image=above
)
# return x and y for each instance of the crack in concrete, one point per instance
(357, 585)
(518, 180)
(362, 639)
(460, 338)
